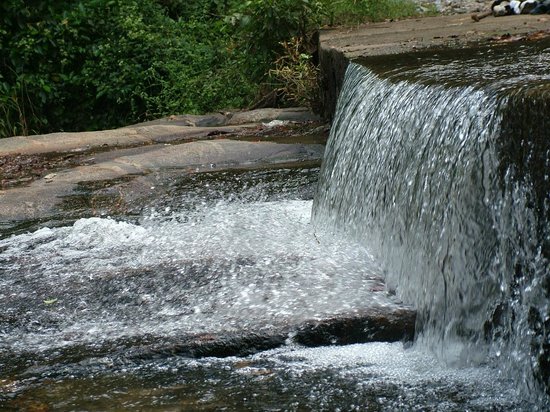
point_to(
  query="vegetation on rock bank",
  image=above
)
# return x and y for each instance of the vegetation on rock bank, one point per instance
(77, 65)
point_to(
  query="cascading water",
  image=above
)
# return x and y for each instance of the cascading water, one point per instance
(437, 180)
(441, 167)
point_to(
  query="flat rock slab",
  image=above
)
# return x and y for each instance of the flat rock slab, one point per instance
(42, 197)
(188, 143)
(167, 130)
(265, 115)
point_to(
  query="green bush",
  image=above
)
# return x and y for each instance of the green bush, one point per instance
(265, 24)
(279, 33)
(81, 65)
(201, 74)
(198, 9)
(95, 64)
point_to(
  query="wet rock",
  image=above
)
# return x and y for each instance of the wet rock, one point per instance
(207, 120)
(235, 118)
(372, 326)
(42, 198)
(390, 324)
(173, 129)
(222, 345)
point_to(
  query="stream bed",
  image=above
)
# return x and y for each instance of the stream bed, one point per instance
(222, 251)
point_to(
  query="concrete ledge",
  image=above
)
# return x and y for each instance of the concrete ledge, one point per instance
(339, 46)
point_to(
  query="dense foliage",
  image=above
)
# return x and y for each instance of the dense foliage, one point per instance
(92, 64)
(72, 65)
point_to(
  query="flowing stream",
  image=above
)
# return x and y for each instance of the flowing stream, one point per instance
(423, 185)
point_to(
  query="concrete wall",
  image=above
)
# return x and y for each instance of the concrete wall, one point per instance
(333, 64)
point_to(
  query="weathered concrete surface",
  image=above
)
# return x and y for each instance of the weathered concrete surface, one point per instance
(442, 31)
(339, 46)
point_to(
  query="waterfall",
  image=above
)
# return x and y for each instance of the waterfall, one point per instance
(447, 184)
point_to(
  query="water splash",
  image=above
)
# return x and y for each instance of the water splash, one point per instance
(216, 265)
(398, 174)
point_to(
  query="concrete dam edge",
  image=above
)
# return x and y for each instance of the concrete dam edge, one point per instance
(339, 46)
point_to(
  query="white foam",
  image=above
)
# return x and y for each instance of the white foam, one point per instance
(232, 265)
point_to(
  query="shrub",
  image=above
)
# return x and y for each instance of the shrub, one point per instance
(201, 10)
(265, 24)
(206, 71)
(269, 25)
(95, 64)
(296, 75)
(77, 65)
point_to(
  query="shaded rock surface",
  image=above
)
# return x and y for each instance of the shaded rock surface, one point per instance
(390, 324)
